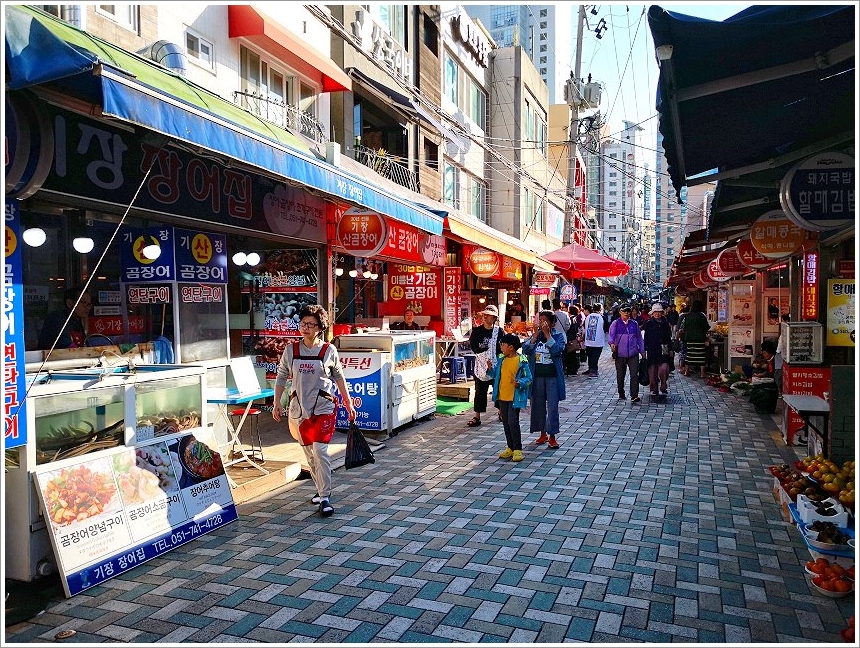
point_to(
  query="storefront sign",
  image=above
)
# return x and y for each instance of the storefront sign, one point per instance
(362, 233)
(104, 163)
(818, 193)
(29, 145)
(136, 268)
(568, 292)
(809, 287)
(374, 39)
(730, 264)
(751, 258)
(845, 269)
(536, 291)
(111, 325)
(481, 262)
(714, 272)
(801, 381)
(775, 236)
(453, 279)
(200, 256)
(108, 514)
(14, 383)
(722, 304)
(367, 381)
(415, 287)
(410, 245)
(473, 40)
(148, 294)
(544, 279)
(840, 312)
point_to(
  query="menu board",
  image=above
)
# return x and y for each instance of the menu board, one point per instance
(110, 513)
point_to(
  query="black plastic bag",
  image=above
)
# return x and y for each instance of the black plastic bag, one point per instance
(764, 397)
(358, 452)
(643, 373)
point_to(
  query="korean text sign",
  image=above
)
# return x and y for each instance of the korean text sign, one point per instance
(14, 384)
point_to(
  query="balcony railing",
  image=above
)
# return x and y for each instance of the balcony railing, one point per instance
(282, 114)
(383, 163)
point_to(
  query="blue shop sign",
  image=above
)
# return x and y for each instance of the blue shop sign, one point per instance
(818, 193)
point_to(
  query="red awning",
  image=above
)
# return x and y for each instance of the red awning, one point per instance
(249, 23)
(579, 262)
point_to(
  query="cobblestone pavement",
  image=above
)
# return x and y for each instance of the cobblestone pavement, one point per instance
(651, 523)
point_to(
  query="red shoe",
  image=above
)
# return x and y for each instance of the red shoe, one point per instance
(542, 439)
(553, 443)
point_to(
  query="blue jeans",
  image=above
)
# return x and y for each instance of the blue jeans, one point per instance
(544, 416)
(593, 353)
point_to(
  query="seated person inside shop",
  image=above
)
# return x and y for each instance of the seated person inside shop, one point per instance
(73, 334)
(517, 309)
(408, 323)
(763, 365)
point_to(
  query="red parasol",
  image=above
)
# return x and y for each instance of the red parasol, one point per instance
(580, 262)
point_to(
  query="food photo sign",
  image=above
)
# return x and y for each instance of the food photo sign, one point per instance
(110, 513)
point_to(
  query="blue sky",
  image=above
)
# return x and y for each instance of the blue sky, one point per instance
(624, 62)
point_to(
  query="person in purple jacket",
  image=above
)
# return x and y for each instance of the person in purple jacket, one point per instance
(625, 340)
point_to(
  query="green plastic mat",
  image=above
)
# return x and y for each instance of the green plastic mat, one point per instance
(451, 407)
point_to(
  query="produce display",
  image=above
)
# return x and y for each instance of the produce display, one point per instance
(832, 578)
(838, 481)
(828, 533)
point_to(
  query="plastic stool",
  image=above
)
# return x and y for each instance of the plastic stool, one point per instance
(453, 369)
(470, 365)
(252, 425)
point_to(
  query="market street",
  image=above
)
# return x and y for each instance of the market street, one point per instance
(651, 523)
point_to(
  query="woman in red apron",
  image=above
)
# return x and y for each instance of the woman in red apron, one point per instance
(313, 367)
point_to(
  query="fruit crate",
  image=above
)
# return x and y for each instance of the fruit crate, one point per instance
(806, 509)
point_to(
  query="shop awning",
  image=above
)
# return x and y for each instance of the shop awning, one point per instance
(248, 22)
(41, 49)
(746, 93)
(484, 236)
(579, 262)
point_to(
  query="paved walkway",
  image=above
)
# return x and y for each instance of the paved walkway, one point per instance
(651, 523)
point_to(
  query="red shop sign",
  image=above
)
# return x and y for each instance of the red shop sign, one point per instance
(713, 272)
(409, 244)
(453, 278)
(415, 287)
(362, 233)
(482, 262)
(729, 262)
(776, 236)
(750, 257)
(809, 287)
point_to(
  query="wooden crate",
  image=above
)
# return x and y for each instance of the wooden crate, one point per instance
(459, 391)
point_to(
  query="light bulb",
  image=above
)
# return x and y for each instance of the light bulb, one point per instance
(353, 273)
(374, 276)
(240, 258)
(338, 272)
(252, 259)
(83, 244)
(34, 236)
(151, 251)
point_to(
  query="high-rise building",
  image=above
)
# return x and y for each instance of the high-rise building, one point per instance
(621, 194)
(543, 31)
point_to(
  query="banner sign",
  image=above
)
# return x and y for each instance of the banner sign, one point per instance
(840, 312)
(818, 193)
(186, 255)
(366, 380)
(809, 288)
(452, 294)
(730, 264)
(481, 262)
(96, 160)
(751, 258)
(14, 382)
(415, 287)
(409, 244)
(110, 513)
(200, 256)
(715, 273)
(775, 236)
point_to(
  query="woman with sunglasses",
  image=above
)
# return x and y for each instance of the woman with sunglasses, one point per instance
(314, 368)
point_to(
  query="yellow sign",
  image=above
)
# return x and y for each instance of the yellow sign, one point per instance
(840, 312)
(775, 236)
(11, 242)
(201, 249)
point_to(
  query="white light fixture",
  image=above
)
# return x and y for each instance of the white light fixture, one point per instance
(240, 258)
(353, 273)
(34, 236)
(252, 259)
(83, 244)
(338, 272)
(151, 251)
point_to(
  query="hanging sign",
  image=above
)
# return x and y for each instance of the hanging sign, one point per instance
(714, 273)
(361, 232)
(730, 264)
(840, 312)
(544, 279)
(775, 236)
(750, 257)
(14, 382)
(483, 263)
(809, 287)
(415, 287)
(702, 280)
(200, 256)
(818, 193)
(136, 268)
(407, 243)
(568, 292)
(453, 286)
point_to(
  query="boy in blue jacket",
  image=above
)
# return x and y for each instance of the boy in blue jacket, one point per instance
(511, 381)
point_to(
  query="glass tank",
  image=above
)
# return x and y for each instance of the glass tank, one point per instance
(167, 406)
(410, 354)
(71, 424)
(803, 342)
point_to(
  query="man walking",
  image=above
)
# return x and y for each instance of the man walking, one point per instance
(595, 338)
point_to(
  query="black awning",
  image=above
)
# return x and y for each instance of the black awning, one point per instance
(754, 87)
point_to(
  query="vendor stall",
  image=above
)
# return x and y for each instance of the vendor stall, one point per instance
(391, 377)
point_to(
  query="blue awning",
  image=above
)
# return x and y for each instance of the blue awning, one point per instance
(757, 87)
(43, 50)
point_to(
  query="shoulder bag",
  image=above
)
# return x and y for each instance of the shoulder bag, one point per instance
(482, 357)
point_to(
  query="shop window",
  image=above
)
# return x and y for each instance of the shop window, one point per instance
(452, 80)
(451, 186)
(431, 154)
(431, 35)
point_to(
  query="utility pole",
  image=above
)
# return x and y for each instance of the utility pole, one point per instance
(574, 97)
